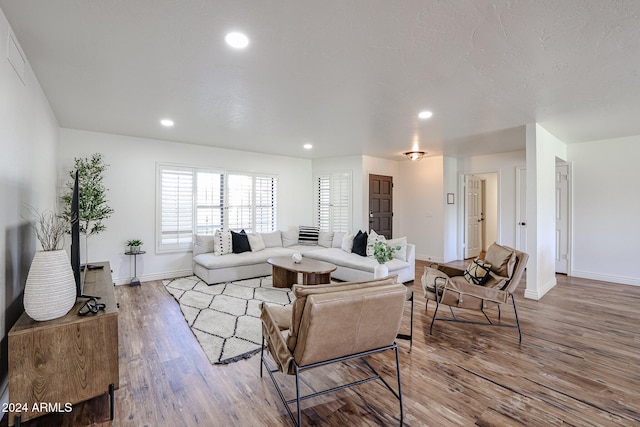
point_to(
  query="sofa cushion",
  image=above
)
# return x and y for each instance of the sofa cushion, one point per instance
(360, 243)
(337, 239)
(255, 242)
(347, 243)
(240, 242)
(272, 240)
(290, 237)
(308, 235)
(325, 239)
(372, 240)
(401, 253)
(203, 244)
(222, 243)
(502, 260)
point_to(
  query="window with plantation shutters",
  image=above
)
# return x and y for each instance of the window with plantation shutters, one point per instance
(266, 194)
(333, 201)
(209, 201)
(198, 201)
(176, 208)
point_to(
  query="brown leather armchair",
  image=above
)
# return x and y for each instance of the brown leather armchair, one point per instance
(332, 323)
(447, 285)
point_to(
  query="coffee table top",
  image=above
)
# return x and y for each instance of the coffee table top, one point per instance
(307, 265)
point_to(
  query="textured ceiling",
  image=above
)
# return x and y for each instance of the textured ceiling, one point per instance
(347, 76)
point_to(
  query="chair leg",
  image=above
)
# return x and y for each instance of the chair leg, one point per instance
(435, 312)
(515, 310)
(261, 356)
(399, 388)
(298, 397)
(411, 328)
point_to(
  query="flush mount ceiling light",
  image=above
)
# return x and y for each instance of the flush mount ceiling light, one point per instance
(308, 146)
(425, 114)
(237, 40)
(166, 122)
(414, 155)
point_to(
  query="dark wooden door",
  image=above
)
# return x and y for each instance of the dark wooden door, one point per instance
(381, 204)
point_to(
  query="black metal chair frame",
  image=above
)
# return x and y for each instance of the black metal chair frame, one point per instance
(297, 420)
(455, 319)
(410, 335)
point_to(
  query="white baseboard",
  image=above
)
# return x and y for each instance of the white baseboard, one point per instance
(633, 281)
(541, 291)
(155, 276)
(429, 258)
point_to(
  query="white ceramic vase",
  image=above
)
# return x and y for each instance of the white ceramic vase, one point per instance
(380, 271)
(50, 291)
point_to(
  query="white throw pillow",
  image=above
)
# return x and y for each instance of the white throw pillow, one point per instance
(255, 242)
(203, 244)
(272, 240)
(402, 253)
(337, 239)
(373, 238)
(290, 237)
(347, 243)
(222, 243)
(325, 239)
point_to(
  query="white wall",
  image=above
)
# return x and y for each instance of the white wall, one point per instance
(606, 209)
(450, 231)
(131, 180)
(28, 147)
(421, 204)
(542, 150)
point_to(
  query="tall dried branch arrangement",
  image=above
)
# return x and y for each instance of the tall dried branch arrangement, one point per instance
(50, 229)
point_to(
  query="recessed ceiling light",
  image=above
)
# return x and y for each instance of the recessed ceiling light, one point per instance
(237, 40)
(308, 146)
(166, 122)
(425, 114)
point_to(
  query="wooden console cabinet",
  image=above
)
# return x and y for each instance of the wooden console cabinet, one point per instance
(58, 363)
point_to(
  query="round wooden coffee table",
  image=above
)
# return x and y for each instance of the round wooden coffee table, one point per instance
(285, 271)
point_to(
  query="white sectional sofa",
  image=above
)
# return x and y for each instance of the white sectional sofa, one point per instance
(213, 268)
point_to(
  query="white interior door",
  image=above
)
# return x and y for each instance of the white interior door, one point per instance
(562, 219)
(521, 210)
(473, 216)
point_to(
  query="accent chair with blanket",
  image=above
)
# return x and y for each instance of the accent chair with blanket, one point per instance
(484, 284)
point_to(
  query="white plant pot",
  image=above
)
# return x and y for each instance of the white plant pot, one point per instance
(50, 291)
(380, 271)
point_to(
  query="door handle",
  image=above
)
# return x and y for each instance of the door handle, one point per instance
(522, 223)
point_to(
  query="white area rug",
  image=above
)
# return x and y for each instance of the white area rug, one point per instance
(225, 318)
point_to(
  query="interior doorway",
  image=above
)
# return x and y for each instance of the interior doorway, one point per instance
(562, 218)
(480, 213)
(381, 204)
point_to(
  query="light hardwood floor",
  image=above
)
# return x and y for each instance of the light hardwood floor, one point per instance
(578, 365)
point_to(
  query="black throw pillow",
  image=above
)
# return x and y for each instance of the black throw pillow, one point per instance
(360, 243)
(240, 242)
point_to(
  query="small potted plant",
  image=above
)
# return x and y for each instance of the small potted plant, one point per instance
(383, 252)
(134, 245)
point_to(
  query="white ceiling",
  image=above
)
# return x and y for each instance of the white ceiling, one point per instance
(347, 76)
